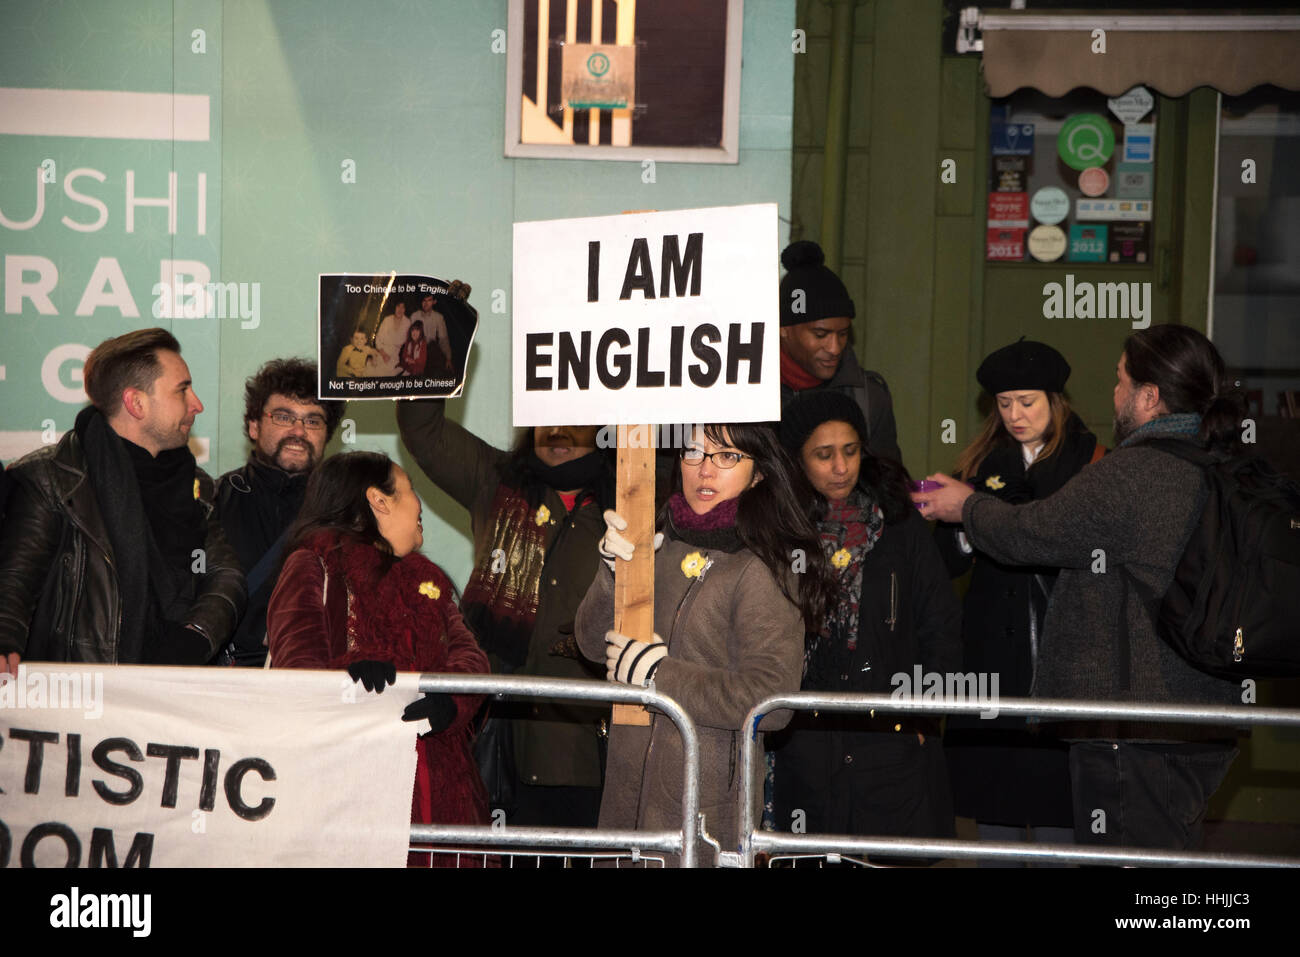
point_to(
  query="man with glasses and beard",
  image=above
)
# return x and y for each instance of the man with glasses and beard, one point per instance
(257, 503)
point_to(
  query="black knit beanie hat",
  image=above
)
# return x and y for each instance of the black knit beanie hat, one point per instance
(1024, 365)
(823, 295)
(804, 414)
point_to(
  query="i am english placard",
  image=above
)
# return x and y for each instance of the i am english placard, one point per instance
(647, 318)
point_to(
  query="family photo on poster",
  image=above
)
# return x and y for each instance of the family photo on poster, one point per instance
(392, 336)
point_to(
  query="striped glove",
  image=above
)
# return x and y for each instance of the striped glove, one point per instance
(632, 662)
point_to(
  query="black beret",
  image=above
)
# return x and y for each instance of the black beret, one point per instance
(811, 408)
(810, 286)
(1024, 365)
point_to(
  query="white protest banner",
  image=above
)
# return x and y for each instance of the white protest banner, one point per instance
(667, 317)
(117, 766)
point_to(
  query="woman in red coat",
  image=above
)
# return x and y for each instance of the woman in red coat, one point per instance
(355, 593)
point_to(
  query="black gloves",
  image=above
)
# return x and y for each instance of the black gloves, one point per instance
(437, 706)
(373, 675)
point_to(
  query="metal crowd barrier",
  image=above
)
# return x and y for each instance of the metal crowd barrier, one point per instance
(505, 844)
(834, 846)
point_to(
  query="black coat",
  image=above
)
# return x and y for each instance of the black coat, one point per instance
(59, 594)
(1006, 770)
(256, 504)
(857, 774)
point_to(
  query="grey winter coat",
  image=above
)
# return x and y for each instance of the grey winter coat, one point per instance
(733, 639)
(1129, 514)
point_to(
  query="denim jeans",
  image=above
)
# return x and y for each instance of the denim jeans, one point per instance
(1145, 795)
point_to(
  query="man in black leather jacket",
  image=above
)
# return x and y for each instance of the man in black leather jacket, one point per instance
(109, 550)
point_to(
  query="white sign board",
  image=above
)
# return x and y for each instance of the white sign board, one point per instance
(667, 317)
(203, 767)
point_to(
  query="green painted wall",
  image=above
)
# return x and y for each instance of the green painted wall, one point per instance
(929, 308)
(413, 94)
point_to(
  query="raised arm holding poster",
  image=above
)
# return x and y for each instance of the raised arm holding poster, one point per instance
(392, 336)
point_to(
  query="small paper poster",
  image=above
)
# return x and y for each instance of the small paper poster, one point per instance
(1008, 211)
(1101, 210)
(1133, 105)
(1005, 245)
(1129, 243)
(1011, 139)
(598, 76)
(1009, 174)
(392, 336)
(1139, 143)
(1087, 243)
(1134, 181)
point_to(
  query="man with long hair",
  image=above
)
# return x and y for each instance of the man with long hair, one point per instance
(1117, 531)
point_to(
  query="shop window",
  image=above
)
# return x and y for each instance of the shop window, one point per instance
(1071, 179)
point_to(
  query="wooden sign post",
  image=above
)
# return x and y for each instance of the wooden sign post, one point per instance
(634, 581)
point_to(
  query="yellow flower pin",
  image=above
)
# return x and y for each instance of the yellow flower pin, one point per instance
(693, 565)
(430, 590)
(841, 558)
(196, 490)
(543, 515)
(995, 482)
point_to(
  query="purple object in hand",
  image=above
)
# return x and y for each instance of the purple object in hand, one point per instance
(925, 485)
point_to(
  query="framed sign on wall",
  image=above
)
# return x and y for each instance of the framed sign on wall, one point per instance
(624, 80)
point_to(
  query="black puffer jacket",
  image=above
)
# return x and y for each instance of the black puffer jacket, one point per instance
(59, 597)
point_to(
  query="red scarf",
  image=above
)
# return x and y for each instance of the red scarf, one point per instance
(795, 376)
(390, 617)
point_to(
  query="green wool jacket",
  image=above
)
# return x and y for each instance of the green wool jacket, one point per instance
(733, 639)
(559, 743)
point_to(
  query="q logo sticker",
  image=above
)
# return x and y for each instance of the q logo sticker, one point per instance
(1086, 139)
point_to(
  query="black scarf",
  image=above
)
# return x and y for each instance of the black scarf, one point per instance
(1003, 472)
(590, 473)
(153, 546)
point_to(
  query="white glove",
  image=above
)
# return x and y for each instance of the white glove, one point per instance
(614, 545)
(632, 662)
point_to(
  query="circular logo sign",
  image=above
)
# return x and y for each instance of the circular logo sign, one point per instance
(1047, 243)
(1050, 205)
(1094, 181)
(1086, 139)
(598, 64)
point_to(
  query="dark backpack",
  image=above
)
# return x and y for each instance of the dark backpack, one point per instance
(1233, 608)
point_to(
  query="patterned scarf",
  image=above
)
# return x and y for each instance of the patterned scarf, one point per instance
(397, 610)
(1176, 423)
(500, 600)
(850, 529)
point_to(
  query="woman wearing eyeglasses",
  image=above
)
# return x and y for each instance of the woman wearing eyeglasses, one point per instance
(894, 612)
(739, 575)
